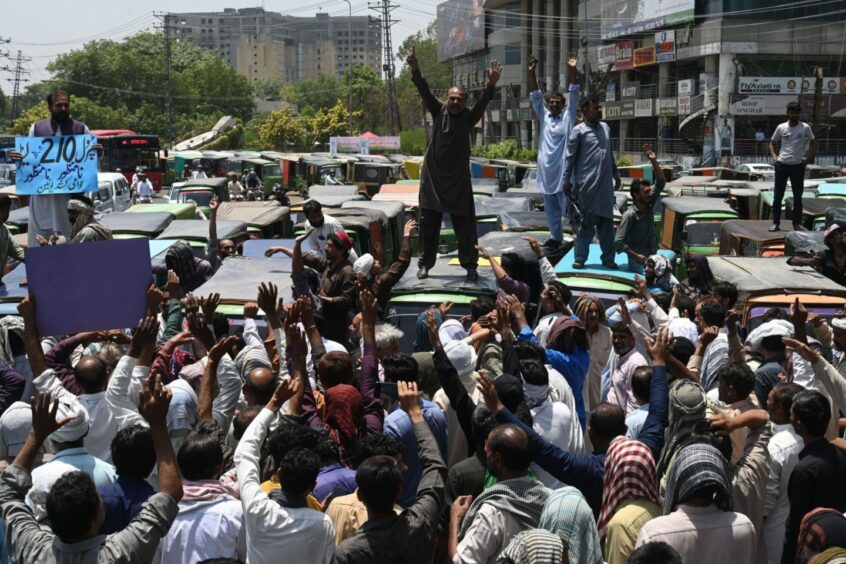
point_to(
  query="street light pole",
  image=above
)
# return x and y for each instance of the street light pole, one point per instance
(349, 65)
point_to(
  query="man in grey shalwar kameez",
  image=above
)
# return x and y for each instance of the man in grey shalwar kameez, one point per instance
(445, 185)
(589, 159)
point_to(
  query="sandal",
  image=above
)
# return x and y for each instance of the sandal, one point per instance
(578, 265)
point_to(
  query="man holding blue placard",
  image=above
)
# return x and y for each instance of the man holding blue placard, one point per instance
(48, 213)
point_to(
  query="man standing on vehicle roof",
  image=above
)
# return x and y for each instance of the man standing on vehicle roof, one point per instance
(555, 127)
(48, 214)
(589, 160)
(798, 149)
(445, 185)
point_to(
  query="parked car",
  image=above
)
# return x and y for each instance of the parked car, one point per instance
(765, 171)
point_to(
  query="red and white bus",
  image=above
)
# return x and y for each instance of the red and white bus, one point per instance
(126, 150)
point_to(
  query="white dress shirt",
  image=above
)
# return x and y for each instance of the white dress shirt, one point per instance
(204, 530)
(784, 447)
(487, 537)
(316, 242)
(276, 533)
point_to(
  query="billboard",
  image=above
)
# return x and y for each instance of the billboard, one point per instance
(461, 28)
(644, 56)
(665, 46)
(627, 17)
(785, 85)
(623, 54)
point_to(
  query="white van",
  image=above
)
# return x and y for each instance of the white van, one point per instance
(112, 193)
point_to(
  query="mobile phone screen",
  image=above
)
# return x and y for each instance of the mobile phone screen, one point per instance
(388, 389)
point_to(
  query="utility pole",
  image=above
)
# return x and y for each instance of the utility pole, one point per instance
(167, 20)
(18, 74)
(818, 86)
(384, 8)
(349, 67)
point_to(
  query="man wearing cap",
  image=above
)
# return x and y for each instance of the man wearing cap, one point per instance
(144, 188)
(337, 291)
(199, 172)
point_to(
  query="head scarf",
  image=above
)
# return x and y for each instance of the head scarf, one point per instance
(341, 239)
(462, 357)
(779, 327)
(14, 428)
(613, 315)
(533, 546)
(182, 413)
(831, 229)
(583, 304)
(834, 555)
(14, 324)
(364, 264)
(566, 334)
(181, 257)
(74, 429)
(422, 344)
(451, 330)
(568, 515)
(686, 409)
(85, 218)
(697, 466)
(629, 474)
(522, 498)
(821, 529)
(344, 413)
(663, 275)
(706, 279)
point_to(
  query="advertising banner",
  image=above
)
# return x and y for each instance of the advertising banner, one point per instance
(644, 56)
(684, 105)
(686, 87)
(627, 17)
(461, 28)
(643, 108)
(665, 46)
(623, 55)
(56, 165)
(630, 91)
(606, 55)
(786, 85)
(627, 109)
(611, 111)
(759, 105)
(668, 106)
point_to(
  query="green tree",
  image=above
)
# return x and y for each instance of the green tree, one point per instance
(27, 117)
(128, 77)
(282, 130)
(331, 123)
(311, 96)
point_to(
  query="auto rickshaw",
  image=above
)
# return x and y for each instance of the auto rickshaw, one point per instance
(606, 284)
(201, 191)
(813, 171)
(830, 190)
(751, 238)
(196, 232)
(237, 279)
(535, 196)
(407, 194)
(720, 172)
(264, 219)
(485, 186)
(370, 229)
(131, 225)
(446, 282)
(804, 244)
(692, 225)
(764, 283)
(18, 200)
(180, 211)
(813, 211)
(412, 167)
(394, 211)
(370, 176)
(525, 222)
(18, 221)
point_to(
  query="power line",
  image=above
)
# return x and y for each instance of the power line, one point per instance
(18, 72)
(385, 8)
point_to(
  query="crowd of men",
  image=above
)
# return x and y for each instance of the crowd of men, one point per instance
(656, 430)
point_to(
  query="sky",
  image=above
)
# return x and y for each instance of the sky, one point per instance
(43, 29)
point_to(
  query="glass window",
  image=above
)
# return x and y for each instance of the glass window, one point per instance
(512, 54)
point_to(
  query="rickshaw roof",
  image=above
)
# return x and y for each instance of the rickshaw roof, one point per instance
(755, 275)
(389, 208)
(272, 155)
(447, 278)
(256, 247)
(19, 216)
(686, 205)
(175, 209)
(817, 206)
(373, 159)
(198, 229)
(524, 220)
(318, 190)
(373, 164)
(512, 193)
(831, 188)
(214, 182)
(237, 279)
(499, 242)
(594, 269)
(493, 206)
(253, 216)
(754, 229)
(150, 224)
(360, 217)
(334, 201)
(317, 161)
(11, 289)
(805, 241)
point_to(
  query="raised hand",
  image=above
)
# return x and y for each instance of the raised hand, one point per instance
(44, 410)
(444, 308)
(412, 60)
(708, 335)
(299, 240)
(533, 63)
(641, 287)
(287, 388)
(572, 60)
(409, 227)
(174, 290)
(494, 73)
(517, 310)
(26, 308)
(154, 299)
(659, 348)
(432, 326)
(189, 303)
(484, 252)
(267, 294)
(213, 205)
(534, 245)
(798, 314)
(624, 310)
(155, 401)
(222, 347)
(648, 152)
(732, 316)
(368, 307)
(306, 311)
(803, 350)
(409, 397)
(144, 336)
(209, 305)
(489, 394)
(251, 310)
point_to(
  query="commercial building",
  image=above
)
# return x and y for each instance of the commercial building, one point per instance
(264, 45)
(699, 79)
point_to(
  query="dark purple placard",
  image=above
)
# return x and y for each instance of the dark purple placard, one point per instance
(93, 286)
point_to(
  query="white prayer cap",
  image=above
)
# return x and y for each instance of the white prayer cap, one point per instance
(363, 264)
(462, 357)
(839, 323)
(775, 327)
(451, 330)
(74, 429)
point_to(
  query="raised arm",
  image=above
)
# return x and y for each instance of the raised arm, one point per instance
(205, 393)
(268, 301)
(652, 432)
(658, 172)
(432, 104)
(213, 245)
(118, 398)
(34, 352)
(478, 109)
(154, 404)
(374, 415)
(533, 76)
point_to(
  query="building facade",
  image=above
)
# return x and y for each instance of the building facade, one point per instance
(264, 45)
(702, 80)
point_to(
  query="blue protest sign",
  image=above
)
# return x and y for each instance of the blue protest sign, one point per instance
(65, 164)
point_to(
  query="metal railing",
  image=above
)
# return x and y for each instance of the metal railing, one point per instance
(750, 147)
(635, 144)
(680, 147)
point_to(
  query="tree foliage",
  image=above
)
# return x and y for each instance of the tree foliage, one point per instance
(125, 84)
(282, 130)
(332, 122)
